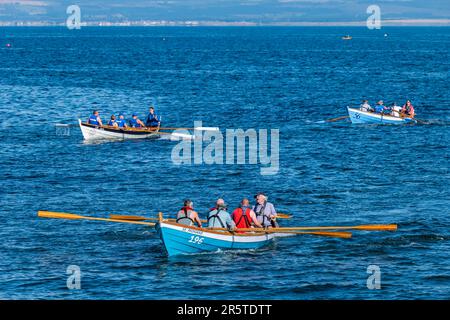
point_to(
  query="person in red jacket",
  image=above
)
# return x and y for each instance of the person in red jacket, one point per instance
(244, 216)
(407, 110)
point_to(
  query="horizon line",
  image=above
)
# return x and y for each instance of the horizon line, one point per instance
(218, 23)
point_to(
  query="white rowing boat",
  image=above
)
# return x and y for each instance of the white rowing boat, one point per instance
(93, 132)
(359, 116)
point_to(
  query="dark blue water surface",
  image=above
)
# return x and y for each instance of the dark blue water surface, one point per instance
(286, 78)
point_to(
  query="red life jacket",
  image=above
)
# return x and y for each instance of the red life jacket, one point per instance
(242, 220)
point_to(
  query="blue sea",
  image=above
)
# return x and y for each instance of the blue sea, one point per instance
(286, 78)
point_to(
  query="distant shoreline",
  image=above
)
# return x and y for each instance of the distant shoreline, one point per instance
(165, 23)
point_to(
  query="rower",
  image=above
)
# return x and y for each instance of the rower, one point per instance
(408, 110)
(244, 216)
(135, 122)
(152, 119)
(380, 108)
(395, 110)
(187, 215)
(218, 217)
(112, 122)
(121, 122)
(365, 106)
(265, 211)
(95, 119)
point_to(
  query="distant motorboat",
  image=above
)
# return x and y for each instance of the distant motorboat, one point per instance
(347, 37)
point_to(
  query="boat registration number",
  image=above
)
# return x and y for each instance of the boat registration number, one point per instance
(196, 239)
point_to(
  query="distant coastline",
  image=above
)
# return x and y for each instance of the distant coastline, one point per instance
(164, 23)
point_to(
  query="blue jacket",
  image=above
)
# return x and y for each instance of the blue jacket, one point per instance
(93, 119)
(134, 123)
(121, 123)
(379, 108)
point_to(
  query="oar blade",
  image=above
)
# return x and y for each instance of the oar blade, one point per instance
(380, 227)
(284, 216)
(58, 215)
(337, 119)
(345, 235)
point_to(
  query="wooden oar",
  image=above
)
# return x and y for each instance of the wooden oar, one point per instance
(71, 216)
(345, 235)
(337, 119)
(142, 218)
(420, 121)
(369, 227)
(257, 231)
(138, 218)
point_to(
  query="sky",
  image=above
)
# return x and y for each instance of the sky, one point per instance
(264, 11)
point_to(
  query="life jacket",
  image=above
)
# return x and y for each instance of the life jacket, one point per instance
(93, 119)
(186, 219)
(111, 122)
(379, 108)
(216, 216)
(134, 123)
(121, 123)
(242, 218)
(260, 213)
(409, 110)
(152, 120)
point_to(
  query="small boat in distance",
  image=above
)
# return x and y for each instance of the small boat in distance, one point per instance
(359, 116)
(95, 132)
(347, 37)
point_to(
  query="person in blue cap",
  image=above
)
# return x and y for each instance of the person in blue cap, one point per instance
(152, 118)
(121, 122)
(135, 122)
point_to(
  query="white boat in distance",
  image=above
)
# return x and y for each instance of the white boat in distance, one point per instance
(94, 132)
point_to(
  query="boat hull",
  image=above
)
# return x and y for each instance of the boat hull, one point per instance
(92, 132)
(358, 116)
(178, 239)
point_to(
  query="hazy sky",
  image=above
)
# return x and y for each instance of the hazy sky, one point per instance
(224, 10)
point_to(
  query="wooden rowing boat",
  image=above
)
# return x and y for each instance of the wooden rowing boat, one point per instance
(180, 239)
(359, 116)
(93, 132)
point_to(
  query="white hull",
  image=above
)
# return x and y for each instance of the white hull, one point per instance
(91, 132)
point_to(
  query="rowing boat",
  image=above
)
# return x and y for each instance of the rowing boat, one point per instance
(94, 132)
(180, 239)
(359, 116)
